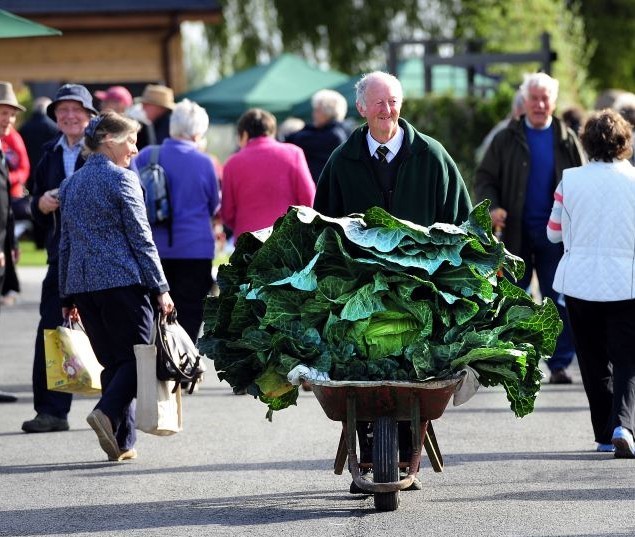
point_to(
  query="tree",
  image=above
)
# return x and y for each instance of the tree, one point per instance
(515, 26)
(352, 35)
(348, 35)
(610, 24)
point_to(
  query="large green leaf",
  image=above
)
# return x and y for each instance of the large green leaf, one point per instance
(373, 297)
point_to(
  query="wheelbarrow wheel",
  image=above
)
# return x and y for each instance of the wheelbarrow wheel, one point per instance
(386, 461)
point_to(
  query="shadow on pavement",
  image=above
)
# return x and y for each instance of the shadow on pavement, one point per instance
(131, 469)
(554, 495)
(460, 458)
(230, 512)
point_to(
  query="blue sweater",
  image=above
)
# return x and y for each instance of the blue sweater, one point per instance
(193, 196)
(105, 240)
(542, 167)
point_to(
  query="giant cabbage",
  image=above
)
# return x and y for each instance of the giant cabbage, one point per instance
(372, 297)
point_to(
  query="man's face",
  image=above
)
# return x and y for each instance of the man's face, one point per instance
(319, 117)
(72, 119)
(539, 107)
(113, 104)
(153, 111)
(7, 118)
(381, 110)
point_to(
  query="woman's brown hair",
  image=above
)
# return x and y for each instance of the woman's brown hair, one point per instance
(607, 136)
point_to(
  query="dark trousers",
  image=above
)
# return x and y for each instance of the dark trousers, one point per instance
(604, 335)
(116, 320)
(539, 253)
(11, 282)
(190, 281)
(45, 401)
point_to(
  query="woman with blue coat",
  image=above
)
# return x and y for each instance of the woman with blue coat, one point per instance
(110, 272)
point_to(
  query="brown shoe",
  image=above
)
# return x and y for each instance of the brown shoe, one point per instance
(126, 455)
(560, 376)
(102, 426)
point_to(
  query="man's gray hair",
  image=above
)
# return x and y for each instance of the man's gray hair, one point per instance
(40, 104)
(331, 103)
(188, 120)
(540, 80)
(362, 85)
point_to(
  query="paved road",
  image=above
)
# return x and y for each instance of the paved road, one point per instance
(231, 473)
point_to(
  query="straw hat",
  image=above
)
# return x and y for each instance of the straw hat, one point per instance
(7, 96)
(158, 95)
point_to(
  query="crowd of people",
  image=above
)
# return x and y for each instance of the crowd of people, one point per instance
(562, 198)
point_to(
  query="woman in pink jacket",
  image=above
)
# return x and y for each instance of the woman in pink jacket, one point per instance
(264, 177)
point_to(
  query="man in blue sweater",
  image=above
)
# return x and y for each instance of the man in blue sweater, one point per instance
(519, 174)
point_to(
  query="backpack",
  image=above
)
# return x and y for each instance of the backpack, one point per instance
(157, 193)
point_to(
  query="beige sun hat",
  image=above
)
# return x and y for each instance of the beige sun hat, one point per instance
(158, 95)
(7, 96)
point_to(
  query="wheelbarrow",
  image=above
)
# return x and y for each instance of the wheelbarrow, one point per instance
(385, 403)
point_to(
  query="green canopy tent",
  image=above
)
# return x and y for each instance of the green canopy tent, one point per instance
(276, 87)
(13, 26)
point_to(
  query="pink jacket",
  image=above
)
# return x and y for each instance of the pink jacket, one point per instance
(261, 181)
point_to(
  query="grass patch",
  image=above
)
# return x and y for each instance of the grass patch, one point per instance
(30, 256)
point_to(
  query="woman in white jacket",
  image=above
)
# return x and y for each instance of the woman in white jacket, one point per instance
(594, 215)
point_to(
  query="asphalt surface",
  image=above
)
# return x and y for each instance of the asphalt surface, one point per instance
(230, 472)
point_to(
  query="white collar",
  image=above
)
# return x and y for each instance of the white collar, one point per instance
(549, 121)
(393, 145)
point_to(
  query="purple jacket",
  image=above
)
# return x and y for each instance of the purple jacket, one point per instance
(193, 196)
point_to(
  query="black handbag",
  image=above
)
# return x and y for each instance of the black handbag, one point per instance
(21, 208)
(178, 358)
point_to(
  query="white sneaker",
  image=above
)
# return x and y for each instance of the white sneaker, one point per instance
(623, 442)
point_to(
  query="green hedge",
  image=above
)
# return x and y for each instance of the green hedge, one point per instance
(459, 124)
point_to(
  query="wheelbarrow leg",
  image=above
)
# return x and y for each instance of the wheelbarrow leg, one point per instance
(340, 456)
(432, 447)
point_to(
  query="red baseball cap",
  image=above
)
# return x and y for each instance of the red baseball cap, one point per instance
(115, 93)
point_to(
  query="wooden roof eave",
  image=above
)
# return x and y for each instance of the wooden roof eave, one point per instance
(127, 21)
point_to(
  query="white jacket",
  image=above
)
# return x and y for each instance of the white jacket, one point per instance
(598, 231)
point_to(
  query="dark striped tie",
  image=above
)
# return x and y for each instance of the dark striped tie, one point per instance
(382, 152)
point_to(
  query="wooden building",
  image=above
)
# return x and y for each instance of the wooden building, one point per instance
(104, 42)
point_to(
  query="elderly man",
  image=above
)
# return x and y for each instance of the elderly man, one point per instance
(157, 102)
(519, 174)
(71, 109)
(388, 163)
(327, 131)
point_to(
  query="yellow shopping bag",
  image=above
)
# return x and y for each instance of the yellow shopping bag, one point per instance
(71, 364)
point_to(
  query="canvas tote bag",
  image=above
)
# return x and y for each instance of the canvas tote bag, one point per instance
(159, 410)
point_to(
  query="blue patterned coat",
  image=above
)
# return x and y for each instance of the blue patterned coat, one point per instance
(106, 239)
